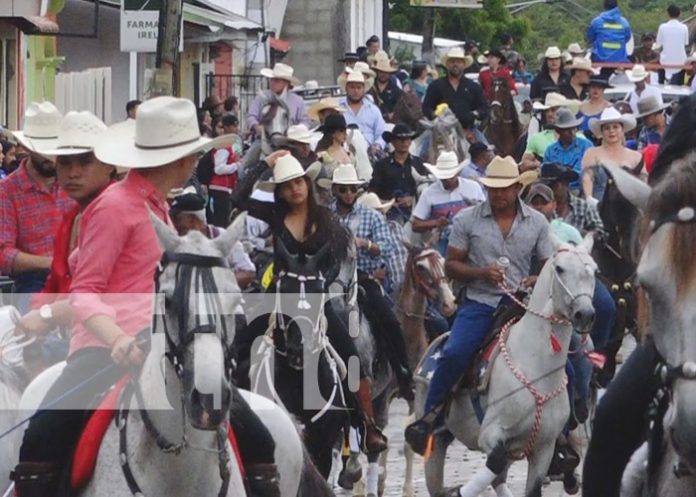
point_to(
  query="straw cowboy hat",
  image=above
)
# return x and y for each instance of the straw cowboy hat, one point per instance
(373, 201)
(79, 133)
(41, 127)
(344, 174)
(554, 99)
(281, 71)
(553, 53)
(638, 73)
(324, 104)
(165, 130)
(650, 105)
(576, 50)
(458, 53)
(565, 119)
(503, 172)
(287, 168)
(611, 115)
(581, 64)
(447, 166)
(383, 65)
(355, 76)
(299, 133)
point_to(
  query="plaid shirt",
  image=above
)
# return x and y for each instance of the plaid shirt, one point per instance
(396, 262)
(29, 217)
(367, 223)
(584, 217)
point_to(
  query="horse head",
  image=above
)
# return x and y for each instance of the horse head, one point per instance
(570, 273)
(426, 267)
(275, 118)
(301, 295)
(667, 272)
(200, 294)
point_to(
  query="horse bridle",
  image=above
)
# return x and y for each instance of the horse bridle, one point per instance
(438, 273)
(568, 291)
(188, 266)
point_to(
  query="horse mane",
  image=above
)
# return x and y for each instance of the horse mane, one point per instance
(678, 140)
(676, 190)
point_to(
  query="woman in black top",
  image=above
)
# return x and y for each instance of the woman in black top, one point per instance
(551, 76)
(305, 227)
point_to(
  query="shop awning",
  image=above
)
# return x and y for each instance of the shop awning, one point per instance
(33, 25)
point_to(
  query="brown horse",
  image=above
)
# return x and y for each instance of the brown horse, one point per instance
(504, 127)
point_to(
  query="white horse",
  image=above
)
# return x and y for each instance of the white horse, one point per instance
(525, 406)
(358, 146)
(666, 271)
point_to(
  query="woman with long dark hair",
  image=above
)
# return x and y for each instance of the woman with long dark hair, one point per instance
(419, 79)
(305, 227)
(331, 148)
(551, 76)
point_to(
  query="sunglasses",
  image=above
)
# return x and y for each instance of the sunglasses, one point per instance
(346, 189)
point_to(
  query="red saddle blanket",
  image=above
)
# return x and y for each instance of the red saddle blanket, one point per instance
(87, 449)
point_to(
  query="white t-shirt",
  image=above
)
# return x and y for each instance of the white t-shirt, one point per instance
(673, 37)
(649, 91)
(436, 202)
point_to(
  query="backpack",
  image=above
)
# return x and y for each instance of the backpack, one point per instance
(206, 168)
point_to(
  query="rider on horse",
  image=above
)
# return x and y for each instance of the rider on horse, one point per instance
(501, 227)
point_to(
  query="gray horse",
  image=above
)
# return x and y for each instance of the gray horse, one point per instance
(444, 133)
(666, 271)
(525, 406)
(275, 119)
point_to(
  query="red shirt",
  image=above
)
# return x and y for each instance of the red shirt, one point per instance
(30, 213)
(114, 263)
(486, 79)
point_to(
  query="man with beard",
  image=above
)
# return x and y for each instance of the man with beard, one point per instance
(386, 91)
(32, 205)
(463, 96)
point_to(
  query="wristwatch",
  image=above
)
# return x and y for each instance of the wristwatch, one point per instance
(46, 312)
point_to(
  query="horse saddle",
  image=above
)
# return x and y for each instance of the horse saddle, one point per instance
(86, 451)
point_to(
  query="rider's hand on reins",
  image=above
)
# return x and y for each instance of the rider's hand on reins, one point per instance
(125, 351)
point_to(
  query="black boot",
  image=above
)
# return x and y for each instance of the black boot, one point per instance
(417, 435)
(35, 479)
(374, 440)
(263, 480)
(404, 378)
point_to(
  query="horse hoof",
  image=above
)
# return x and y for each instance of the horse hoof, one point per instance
(571, 484)
(347, 479)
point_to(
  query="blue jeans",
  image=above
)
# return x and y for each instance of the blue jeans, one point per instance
(435, 323)
(581, 366)
(472, 324)
(605, 314)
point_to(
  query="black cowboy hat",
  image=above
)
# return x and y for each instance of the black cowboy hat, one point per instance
(334, 122)
(599, 81)
(496, 53)
(400, 130)
(350, 57)
(555, 171)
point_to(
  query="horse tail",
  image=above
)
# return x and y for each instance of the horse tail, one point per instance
(312, 484)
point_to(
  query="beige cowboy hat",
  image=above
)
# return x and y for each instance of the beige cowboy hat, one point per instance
(287, 168)
(79, 132)
(638, 73)
(165, 130)
(355, 76)
(373, 201)
(611, 115)
(650, 105)
(458, 53)
(383, 65)
(576, 50)
(41, 127)
(344, 174)
(299, 133)
(553, 53)
(554, 99)
(281, 71)
(324, 104)
(582, 64)
(447, 166)
(503, 172)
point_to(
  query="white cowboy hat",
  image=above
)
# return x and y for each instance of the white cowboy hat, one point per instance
(287, 168)
(638, 73)
(582, 64)
(364, 68)
(41, 127)
(281, 71)
(324, 104)
(355, 76)
(576, 49)
(611, 115)
(503, 172)
(553, 53)
(554, 99)
(458, 53)
(446, 167)
(79, 132)
(383, 65)
(344, 174)
(299, 133)
(372, 201)
(166, 129)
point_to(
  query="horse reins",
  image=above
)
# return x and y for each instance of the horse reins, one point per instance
(189, 266)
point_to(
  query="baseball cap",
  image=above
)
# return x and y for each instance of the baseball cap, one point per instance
(539, 189)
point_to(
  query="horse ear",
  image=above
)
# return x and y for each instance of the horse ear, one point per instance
(283, 251)
(633, 189)
(231, 235)
(556, 242)
(165, 234)
(313, 260)
(588, 242)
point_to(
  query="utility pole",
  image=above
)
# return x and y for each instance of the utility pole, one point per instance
(168, 40)
(428, 34)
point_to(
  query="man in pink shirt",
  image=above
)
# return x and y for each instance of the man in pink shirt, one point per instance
(113, 270)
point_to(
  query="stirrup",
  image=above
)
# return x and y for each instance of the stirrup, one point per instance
(263, 480)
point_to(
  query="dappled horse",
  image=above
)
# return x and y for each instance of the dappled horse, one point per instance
(294, 364)
(444, 133)
(524, 406)
(617, 259)
(504, 126)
